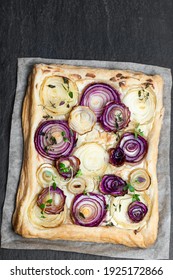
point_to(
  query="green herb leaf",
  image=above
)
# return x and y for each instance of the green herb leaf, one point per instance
(110, 224)
(49, 201)
(70, 94)
(79, 173)
(85, 192)
(52, 105)
(63, 133)
(43, 217)
(107, 206)
(42, 206)
(47, 117)
(53, 139)
(119, 207)
(82, 215)
(51, 86)
(135, 197)
(66, 139)
(138, 131)
(54, 185)
(61, 165)
(129, 187)
(65, 80)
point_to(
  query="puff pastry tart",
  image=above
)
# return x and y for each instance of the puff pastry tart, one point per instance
(90, 153)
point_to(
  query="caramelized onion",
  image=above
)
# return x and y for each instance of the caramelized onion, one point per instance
(67, 166)
(82, 119)
(140, 179)
(53, 200)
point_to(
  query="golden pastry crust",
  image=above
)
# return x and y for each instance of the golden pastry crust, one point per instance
(28, 187)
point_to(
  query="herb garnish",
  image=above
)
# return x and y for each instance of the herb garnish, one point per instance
(70, 94)
(51, 86)
(143, 95)
(107, 206)
(82, 215)
(65, 139)
(49, 201)
(63, 168)
(140, 180)
(53, 140)
(52, 104)
(129, 187)
(110, 224)
(135, 197)
(138, 131)
(65, 80)
(79, 173)
(54, 185)
(47, 117)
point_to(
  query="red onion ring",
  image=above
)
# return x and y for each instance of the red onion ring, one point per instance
(115, 117)
(117, 156)
(113, 185)
(51, 208)
(97, 95)
(94, 205)
(137, 211)
(50, 147)
(135, 148)
(71, 166)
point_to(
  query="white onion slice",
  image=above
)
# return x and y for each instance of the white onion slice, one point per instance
(94, 159)
(77, 185)
(49, 221)
(82, 119)
(119, 208)
(46, 175)
(58, 95)
(140, 179)
(141, 103)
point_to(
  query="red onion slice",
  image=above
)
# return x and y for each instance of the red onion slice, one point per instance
(135, 148)
(97, 95)
(51, 200)
(54, 139)
(67, 166)
(88, 210)
(137, 211)
(115, 117)
(117, 156)
(113, 185)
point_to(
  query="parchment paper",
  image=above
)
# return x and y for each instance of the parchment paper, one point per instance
(9, 239)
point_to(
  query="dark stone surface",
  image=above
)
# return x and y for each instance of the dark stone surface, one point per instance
(136, 31)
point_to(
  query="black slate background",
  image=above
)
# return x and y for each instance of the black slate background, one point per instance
(129, 30)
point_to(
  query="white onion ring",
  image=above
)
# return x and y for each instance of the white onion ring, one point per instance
(55, 95)
(47, 174)
(77, 185)
(141, 103)
(93, 158)
(50, 221)
(140, 179)
(82, 119)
